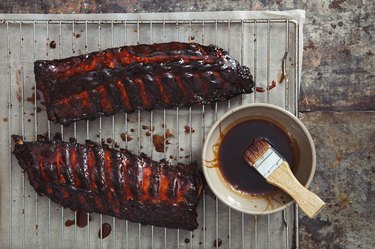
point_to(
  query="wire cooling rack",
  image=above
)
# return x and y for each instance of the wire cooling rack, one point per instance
(268, 46)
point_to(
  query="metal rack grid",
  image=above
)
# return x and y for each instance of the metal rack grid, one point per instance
(30, 221)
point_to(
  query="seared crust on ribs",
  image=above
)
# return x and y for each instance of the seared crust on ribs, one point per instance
(137, 77)
(113, 182)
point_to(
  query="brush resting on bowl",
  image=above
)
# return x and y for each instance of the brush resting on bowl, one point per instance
(226, 171)
(235, 141)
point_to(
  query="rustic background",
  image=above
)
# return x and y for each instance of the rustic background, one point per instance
(337, 101)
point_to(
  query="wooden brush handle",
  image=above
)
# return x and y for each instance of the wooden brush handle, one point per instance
(283, 178)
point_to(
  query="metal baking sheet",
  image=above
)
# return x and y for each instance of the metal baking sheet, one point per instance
(269, 43)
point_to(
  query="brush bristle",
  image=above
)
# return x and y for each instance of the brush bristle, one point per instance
(256, 150)
(17, 139)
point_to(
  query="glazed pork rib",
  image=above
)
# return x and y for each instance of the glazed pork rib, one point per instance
(139, 77)
(113, 182)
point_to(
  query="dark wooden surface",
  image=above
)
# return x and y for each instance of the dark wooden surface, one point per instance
(337, 101)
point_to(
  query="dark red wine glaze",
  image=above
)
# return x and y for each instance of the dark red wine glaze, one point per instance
(236, 140)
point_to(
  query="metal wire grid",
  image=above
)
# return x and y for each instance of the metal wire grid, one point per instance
(30, 221)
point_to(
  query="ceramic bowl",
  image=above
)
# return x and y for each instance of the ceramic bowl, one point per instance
(261, 203)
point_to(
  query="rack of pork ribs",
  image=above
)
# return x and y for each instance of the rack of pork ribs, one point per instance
(139, 77)
(104, 180)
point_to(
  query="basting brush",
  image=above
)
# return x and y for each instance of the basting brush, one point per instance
(274, 168)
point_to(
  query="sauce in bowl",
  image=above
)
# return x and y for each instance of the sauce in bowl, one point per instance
(235, 170)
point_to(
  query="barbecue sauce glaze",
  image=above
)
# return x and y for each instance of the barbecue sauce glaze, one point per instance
(235, 141)
(100, 179)
(139, 77)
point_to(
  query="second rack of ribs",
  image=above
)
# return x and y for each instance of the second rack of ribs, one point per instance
(140, 77)
(114, 182)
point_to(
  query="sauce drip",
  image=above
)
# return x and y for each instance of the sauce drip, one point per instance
(69, 223)
(81, 219)
(217, 243)
(106, 230)
(52, 44)
(235, 169)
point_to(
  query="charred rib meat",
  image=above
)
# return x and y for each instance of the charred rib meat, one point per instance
(137, 77)
(113, 182)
